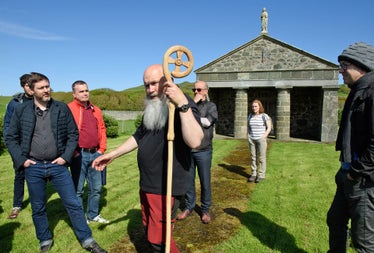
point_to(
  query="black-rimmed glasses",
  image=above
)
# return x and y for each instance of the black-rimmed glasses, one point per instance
(344, 65)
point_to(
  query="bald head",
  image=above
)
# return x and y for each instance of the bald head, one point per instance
(153, 81)
(154, 70)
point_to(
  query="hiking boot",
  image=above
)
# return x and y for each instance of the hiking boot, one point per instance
(98, 219)
(205, 218)
(184, 214)
(15, 212)
(95, 248)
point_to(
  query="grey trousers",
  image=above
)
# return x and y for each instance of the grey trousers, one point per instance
(258, 157)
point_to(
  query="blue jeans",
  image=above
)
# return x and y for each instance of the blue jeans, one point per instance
(18, 187)
(353, 200)
(82, 171)
(37, 176)
(203, 161)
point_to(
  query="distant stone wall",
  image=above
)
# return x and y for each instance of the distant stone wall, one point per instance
(123, 115)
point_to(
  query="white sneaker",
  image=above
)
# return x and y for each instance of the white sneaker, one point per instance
(98, 219)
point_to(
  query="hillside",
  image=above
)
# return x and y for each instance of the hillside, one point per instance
(128, 100)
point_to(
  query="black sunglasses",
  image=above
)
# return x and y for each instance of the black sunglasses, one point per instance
(198, 89)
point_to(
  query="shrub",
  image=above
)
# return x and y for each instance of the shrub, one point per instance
(111, 125)
(138, 120)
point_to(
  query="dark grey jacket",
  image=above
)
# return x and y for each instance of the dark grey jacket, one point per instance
(356, 133)
(21, 128)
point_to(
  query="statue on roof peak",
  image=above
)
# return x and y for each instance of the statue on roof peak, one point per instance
(264, 21)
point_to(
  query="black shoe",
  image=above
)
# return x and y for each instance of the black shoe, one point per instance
(95, 248)
(46, 248)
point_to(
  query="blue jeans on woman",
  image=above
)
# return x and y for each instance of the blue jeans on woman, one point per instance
(82, 171)
(203, 161)
(37, 176)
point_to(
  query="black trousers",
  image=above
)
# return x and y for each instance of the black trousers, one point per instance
(354, 200)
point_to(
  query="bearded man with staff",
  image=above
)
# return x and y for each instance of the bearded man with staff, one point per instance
(152, 143)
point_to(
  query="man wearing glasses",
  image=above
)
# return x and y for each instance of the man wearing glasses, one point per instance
(202, 156)
(355, 179)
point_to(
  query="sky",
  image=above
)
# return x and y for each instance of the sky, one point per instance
(108, 44)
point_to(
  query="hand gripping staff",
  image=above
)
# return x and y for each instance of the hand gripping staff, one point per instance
(178, 72)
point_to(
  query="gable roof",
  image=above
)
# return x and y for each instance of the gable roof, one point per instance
(265, 53)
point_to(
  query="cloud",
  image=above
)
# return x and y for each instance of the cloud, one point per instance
(27, 32)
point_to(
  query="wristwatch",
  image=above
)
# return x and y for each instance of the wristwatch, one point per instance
(184, 108)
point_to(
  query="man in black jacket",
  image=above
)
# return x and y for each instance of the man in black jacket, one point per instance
(41, 138)
(354, 198)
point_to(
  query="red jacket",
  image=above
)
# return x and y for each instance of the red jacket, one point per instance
(77, 110)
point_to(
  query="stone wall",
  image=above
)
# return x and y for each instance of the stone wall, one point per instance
(329, 125)
(241, 113)
(123, 115)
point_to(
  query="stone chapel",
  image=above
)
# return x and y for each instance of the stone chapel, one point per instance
(298, 90)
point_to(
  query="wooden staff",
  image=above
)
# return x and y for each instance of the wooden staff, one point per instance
(179, 51)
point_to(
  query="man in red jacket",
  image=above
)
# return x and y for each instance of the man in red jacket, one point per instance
(91, 144)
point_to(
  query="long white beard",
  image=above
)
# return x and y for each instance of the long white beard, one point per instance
(155, 114)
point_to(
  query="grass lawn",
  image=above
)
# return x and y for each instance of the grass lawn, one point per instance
(4, 100)
(285, 213)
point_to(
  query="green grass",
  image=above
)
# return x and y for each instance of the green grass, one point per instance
(285, 213)
(4, 100)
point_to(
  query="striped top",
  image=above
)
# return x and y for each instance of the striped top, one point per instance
(257, 125)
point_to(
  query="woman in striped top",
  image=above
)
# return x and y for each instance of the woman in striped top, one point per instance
(259, 127)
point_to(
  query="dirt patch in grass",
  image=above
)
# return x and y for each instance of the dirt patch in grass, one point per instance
(230, 192)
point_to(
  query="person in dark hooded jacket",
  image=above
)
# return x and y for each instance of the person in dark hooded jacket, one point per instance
(354, 198)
